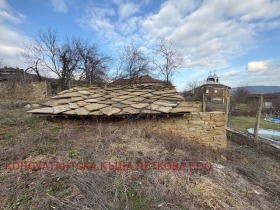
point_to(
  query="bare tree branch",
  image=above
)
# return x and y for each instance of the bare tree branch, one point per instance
(66, 59)
(133, 63)
(167, 59)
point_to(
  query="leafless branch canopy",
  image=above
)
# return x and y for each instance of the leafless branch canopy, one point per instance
(69, 59)
(133, 62)
(167, 59)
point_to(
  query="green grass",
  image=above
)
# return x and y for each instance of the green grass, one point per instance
(242, 106)
(242, 123)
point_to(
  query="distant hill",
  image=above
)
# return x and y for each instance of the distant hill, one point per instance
(260, 89)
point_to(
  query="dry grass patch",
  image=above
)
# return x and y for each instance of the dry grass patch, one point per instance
(242, 178)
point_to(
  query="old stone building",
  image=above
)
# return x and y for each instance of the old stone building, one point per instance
(213, 91)
(160, 104)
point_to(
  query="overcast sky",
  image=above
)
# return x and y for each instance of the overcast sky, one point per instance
(239, 39)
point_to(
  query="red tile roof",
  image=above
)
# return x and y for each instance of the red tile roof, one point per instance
(146, 79)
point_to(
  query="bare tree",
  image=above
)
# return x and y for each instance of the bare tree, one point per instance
(66, 59)
(241, 94)
(167, 59)
(192, 92)
(43, 52)
(133, 62)
(192, 85)
(35, 69)
(93, 65)
(69, 59)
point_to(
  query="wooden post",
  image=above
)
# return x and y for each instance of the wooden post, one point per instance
(46, 86)
(203, 103)
(227, 109)
(69, 83)
(258, 118)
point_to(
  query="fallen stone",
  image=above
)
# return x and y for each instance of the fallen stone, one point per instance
(74, 99)
(136, 99)
(85, 97)
(73, 106)
(181, 109)
(96, 113)
(148, 95)
(109, 102)
(153, 107)
(159, 92)
(164, 109)
(117, 99)
(92, 107)
(62, 101)
(110, 110)
(84, 92)
(127, 102)
(70, 112)
(139, 105)
(130, 110)
(137, 93)
(95, 95)
(81, 103)
(45, 110)
(125, 96)
(69, 95)
(108, 96)
(149, 100)
(165, 103)
(78, 88)
(148, 111)
(114, 94)
(100, 99)
(92, 100)
(61, 108)
(81, 111)
(119, 105)
(28, 106)
(62, 92)
(123, 93)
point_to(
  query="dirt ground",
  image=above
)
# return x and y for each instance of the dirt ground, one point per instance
(241, 177)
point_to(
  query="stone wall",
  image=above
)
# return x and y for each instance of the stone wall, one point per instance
(263, 144)
(208, 128)
(23, 91)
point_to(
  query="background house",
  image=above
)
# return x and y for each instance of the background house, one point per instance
(143, 80)
(213, 91)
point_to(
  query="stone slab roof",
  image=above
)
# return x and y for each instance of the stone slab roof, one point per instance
(117, 101)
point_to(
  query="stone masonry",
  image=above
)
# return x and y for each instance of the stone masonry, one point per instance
(208, 128)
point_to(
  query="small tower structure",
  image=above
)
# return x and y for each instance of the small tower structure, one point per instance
(213, 79)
